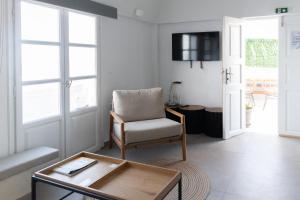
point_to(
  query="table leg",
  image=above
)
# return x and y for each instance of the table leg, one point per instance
(180, 189)
(66, 196)
(33, 189)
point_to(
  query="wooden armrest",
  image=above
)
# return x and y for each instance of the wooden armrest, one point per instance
(116, 117)
(173, 112)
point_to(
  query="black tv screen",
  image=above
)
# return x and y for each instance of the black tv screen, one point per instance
(203, 46)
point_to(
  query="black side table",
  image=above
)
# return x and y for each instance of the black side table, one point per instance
(194, 117)
(214, 122)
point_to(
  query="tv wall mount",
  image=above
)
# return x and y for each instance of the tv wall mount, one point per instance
(201, 64)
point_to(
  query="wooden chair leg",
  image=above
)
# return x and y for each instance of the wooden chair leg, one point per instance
(123, 147)
(111, 141)
(183, 140)
(111, 121)
(123, 152)
(183, 146)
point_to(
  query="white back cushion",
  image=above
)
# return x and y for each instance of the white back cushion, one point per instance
(137, 105)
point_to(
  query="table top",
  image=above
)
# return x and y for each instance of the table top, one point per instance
(192, 107)
(116, 179)
(214, 110)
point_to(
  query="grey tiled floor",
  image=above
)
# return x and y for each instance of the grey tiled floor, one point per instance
(250, 166)
(247, 167)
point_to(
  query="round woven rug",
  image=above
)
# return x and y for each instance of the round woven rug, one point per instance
(195, 182)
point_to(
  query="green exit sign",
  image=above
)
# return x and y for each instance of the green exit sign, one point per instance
(281, 10)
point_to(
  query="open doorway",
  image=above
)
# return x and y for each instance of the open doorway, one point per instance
(261, 74)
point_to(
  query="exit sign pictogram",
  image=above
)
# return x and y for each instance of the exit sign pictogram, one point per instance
(281, 10)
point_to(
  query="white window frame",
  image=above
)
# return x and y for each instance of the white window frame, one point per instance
(68, 78)
(18, 61)
(64, 71)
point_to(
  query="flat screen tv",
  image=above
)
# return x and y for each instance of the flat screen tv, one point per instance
(202, 46)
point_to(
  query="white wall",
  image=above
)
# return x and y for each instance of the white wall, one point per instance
(200, 86)
(128, 59)
(194, 10)
(127, 8)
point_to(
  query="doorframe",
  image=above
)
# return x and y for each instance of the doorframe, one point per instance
(279, 60)
(97, 109)
(17, 137)
(279, 18)
(11, 88)
(283, 124)
(19, 126)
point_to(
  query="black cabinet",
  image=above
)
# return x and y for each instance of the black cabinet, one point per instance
(214, 122)
(199, 120)
(194, 118)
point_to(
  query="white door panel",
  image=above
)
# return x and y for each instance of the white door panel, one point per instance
(293, 111)
(39, 135)
(38, 81)
(56, 78)
(289, 73)
(292, 74)
(236, 76)
(235, 31)
(233, 84)
(82, 92)
(81, 134)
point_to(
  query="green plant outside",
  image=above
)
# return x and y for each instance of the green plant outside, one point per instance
(262, 53)
(249, 106)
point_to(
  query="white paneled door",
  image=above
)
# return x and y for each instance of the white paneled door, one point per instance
(56, 78)
(81, 81)
(233, 83)
(289, 73)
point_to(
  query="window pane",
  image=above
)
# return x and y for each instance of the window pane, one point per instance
(82, 61)
(82, 29)
(83, 94)
(186, 55)
(39, 23)
(40, 62)
(194, 42)
(41, 101)
(186, 42)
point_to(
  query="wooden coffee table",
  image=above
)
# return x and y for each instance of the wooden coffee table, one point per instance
(112, 179)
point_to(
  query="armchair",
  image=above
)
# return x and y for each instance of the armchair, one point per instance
(138, 118)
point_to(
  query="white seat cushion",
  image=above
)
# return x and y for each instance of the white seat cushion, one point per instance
(148, 130)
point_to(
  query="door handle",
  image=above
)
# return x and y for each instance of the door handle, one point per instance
(228, 75)
(68, 83)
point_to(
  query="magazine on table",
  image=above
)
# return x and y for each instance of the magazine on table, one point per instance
(75, 166)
